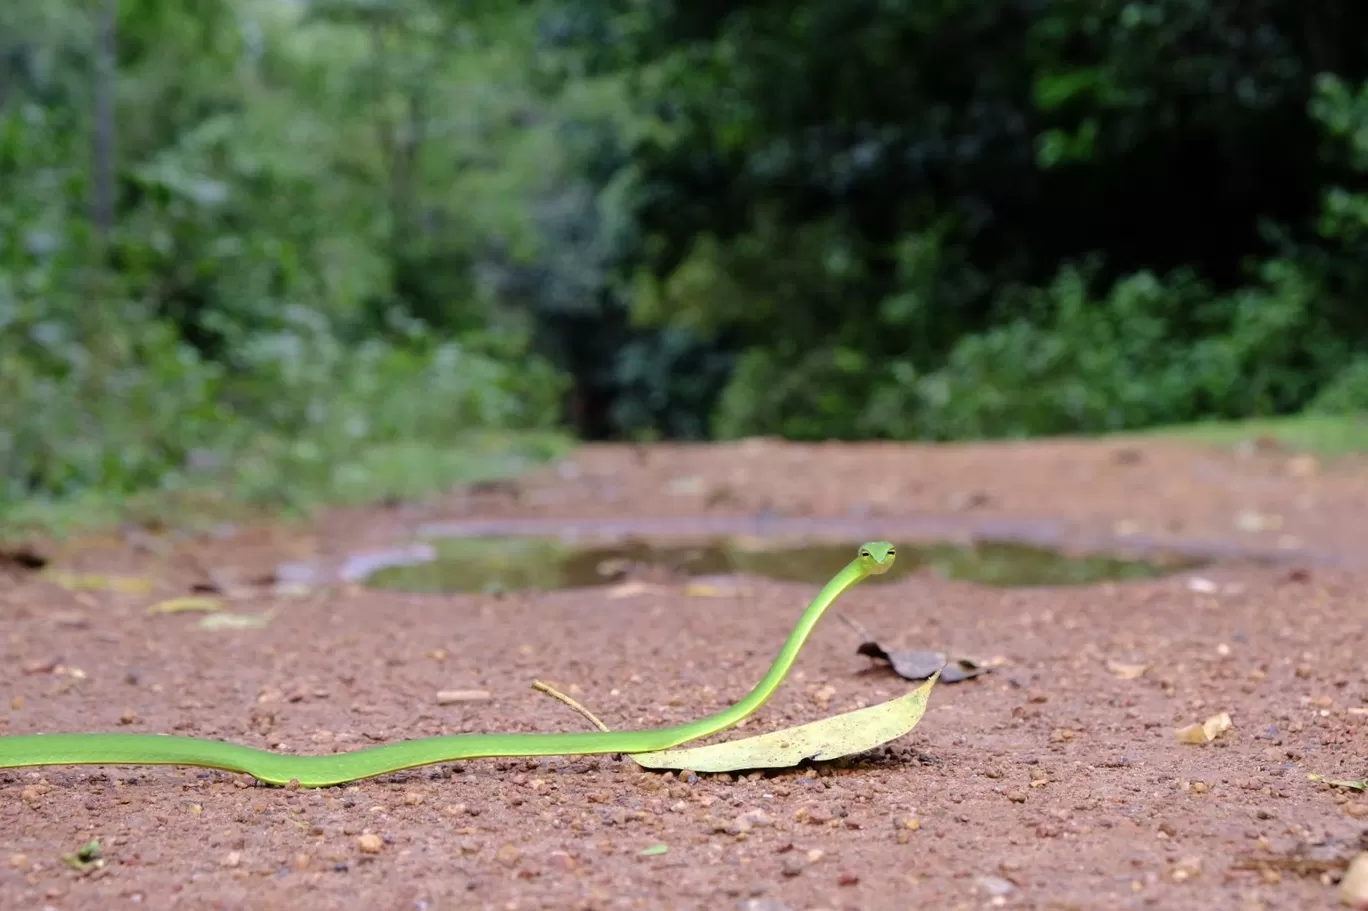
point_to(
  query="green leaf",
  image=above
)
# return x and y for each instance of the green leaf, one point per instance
(830, 738)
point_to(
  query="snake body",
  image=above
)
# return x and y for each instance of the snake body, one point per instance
(874, 558)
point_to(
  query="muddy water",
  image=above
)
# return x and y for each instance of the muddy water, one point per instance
(510, 564)
(503, 554)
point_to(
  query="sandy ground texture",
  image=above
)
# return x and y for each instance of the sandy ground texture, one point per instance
(1054, 781)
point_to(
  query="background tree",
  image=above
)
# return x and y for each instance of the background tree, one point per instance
(241, 234)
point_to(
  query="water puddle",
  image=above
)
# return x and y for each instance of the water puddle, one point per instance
(494, 565)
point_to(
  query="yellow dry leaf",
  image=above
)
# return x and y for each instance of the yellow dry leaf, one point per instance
(1217, 725)
(1207, 731)
(634, 588)
(830, 738)
(98, 582)
(236, 621)
(706, 590)
(184, 605)
(1192, 733)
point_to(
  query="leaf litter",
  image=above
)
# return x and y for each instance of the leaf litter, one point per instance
(237, 621)
(23, 557)
(193, 603)
(71, 581)
(921, 664)
(1360, 785)
(918, 664)
(1207, 731)
(90, 856)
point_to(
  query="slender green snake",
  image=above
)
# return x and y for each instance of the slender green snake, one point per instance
(874, 558)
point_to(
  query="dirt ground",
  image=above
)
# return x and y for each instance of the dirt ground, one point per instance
(1055, 781)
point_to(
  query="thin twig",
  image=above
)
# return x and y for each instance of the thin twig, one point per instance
(868, 636)
(551, 691)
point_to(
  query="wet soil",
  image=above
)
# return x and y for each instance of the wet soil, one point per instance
(1054, 781)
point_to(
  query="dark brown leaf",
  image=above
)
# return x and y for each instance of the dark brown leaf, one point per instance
(920, 664)
(22, 557)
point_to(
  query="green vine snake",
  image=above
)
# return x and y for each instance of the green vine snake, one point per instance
(874, 558)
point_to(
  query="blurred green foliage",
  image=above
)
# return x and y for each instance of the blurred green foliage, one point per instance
(265, 308)
(255, 244)
(907, 221)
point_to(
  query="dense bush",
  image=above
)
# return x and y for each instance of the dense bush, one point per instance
(912, 223)
(247, 316)
(1150, 350)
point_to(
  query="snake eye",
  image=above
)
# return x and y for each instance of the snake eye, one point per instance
(864, 553)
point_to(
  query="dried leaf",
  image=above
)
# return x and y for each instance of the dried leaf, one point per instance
(920, 664)
(1217, 725)
(236, 621)
(830, 738)
(1192, 733)
(184, 605)
(98, 582)
(452, 697)
(708, 590)
(634, 588)
(1207, 731)
(22, 557)
(1361, 785)
(1127, 671)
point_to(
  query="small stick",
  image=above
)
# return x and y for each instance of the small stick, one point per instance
(868, 636)
(551, 691)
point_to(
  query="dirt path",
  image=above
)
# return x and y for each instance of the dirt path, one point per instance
(1053, 782)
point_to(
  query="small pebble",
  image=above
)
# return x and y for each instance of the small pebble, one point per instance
(816, 815)
(1353, 889)
(370, 843)
(1186, 868)
(994, 885)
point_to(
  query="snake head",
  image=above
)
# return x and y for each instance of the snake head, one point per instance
(876, 557)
